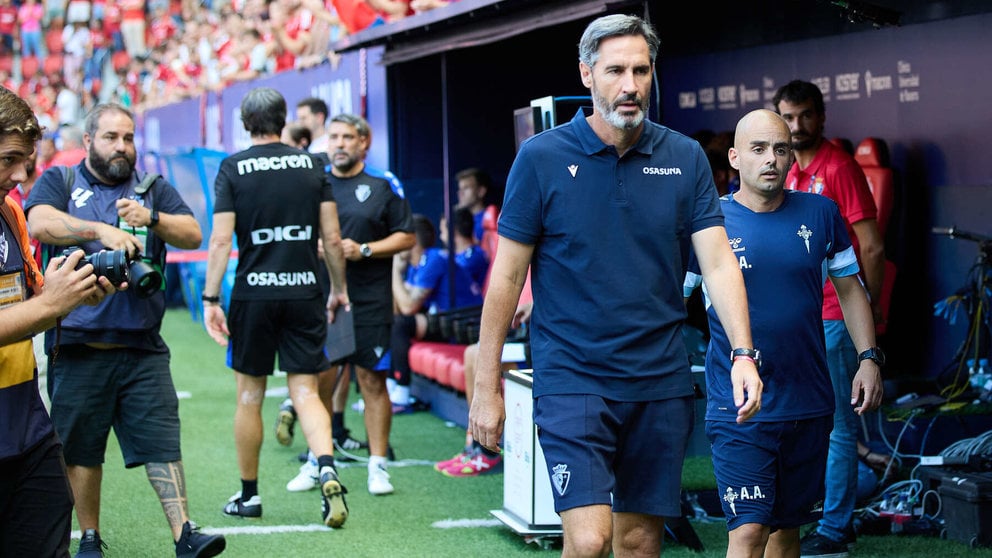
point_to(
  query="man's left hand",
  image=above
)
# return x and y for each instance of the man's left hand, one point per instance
(867, 387)
(133, 213)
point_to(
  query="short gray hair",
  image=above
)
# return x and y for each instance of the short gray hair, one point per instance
(360, 124)
(617, 25)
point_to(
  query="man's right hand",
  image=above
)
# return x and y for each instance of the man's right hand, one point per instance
(67, 287)
(486, 418)
(216, 323)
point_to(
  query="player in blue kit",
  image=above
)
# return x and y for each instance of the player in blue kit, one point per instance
(770, 470)
(603, 210)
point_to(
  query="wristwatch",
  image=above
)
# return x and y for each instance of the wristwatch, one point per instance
(754, 355)
(365, 250)
(153, 219)
(873, 353)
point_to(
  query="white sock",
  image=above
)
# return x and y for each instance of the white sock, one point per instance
(377, 462)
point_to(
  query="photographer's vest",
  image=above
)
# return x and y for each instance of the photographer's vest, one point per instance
(22, 414)
(124, 311)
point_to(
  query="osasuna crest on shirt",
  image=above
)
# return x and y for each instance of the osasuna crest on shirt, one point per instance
(362, 192)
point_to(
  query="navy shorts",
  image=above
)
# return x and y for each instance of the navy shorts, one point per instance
(296, 330)
(771, 473)
(625, 454)
(128, 389)
(371, 348)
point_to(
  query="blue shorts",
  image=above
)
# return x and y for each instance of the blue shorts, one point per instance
(625, 454)
(295, 329)
(128, 389)
(771, 473)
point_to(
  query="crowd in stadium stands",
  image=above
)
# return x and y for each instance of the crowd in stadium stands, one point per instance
(63, 56)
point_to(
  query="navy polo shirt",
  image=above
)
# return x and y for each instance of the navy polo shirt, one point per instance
(611, 238)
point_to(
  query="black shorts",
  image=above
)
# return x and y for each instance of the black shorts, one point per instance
(295, 329)
(371, 348)
(35, 502)
(128, 389)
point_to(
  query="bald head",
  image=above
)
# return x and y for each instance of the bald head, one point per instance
(756, 119)
(762, 153)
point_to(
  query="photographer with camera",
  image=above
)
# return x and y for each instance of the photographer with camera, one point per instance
(35, 501)
(108, 364)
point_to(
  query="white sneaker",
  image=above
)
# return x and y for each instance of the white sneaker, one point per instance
(379, 482)
(306, 479)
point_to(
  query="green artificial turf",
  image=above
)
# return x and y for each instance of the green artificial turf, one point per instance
(409, 523)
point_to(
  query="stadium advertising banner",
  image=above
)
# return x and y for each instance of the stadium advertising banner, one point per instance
(916, 81)
(354, 83)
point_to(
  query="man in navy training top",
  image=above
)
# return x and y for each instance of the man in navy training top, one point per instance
(769, 469)
(605, 209)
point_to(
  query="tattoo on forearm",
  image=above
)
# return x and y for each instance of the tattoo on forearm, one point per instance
(77, 234)
(169, 483)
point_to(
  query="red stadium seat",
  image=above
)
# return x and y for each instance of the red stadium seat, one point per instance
(489, 235)
(873, 156)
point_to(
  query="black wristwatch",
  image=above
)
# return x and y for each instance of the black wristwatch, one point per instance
(754, 355)
(365, 250)
(153, 220)
(873, 353)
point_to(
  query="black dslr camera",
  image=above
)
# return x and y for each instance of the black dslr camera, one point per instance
(118, 268)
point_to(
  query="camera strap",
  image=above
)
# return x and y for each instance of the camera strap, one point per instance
(69, 178)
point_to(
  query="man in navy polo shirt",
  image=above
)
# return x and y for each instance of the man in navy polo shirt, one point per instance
(604, 209)
(769, 470)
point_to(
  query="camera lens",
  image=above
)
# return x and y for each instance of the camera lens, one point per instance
(145, 279)
(111, 264)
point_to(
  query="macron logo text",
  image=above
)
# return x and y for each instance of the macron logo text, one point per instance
(248, 166)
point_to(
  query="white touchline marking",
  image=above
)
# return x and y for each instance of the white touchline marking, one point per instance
(275, 529)
(253, 530)
(466, 523)
(184, 395)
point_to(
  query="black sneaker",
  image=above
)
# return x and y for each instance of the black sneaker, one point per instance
(236, 507)
(347, 443)
(333, 508)
(285, 423)
(850, 539)
(90, 545)
(194, 544)
(815, 545)
(344, 444)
